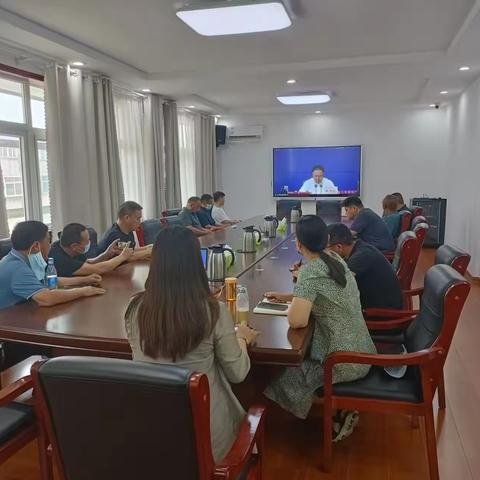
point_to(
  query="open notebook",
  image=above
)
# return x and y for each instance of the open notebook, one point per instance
(269, 308)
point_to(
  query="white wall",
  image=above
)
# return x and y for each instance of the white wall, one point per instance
(463, 173)
(404, 150)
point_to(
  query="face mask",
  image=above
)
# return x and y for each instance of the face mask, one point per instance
(86, 248)
(38, 265)
(209, 207)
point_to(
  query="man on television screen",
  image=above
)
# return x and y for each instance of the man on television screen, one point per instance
(318, 184)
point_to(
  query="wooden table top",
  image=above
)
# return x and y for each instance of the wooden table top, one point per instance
(96, 325)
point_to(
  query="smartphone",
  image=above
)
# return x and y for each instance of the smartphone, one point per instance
(298, 265)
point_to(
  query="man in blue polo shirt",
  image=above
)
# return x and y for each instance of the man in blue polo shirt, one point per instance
(22, 271)
(368, 226)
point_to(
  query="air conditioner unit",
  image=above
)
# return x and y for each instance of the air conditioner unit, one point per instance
(245, 133)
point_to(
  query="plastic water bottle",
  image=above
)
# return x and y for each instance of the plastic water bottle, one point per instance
(243, 305)
(51, 275)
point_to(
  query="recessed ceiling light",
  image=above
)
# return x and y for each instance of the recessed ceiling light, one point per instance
(146, 90)
(306, 99)
(444, 92)
(465, 68)
(292, 80)
(191, 106)
(318, 111)
(433, 105)
(232, 17)
(77, 64)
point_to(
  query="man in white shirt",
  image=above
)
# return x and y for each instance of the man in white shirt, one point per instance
(218, 213)
(318, 184)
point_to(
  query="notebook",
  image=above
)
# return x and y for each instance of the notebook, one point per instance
(270, 308)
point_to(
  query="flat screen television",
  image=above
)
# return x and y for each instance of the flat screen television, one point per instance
(317, 171)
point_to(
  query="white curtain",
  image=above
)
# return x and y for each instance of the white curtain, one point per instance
(205, 154)
(187, 154)
(4, 230)
(155, 156)
(173, 195)
(84, 165)
(130, 121)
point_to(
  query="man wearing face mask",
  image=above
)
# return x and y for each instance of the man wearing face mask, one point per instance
(205, 212)
(70, 254)
(22, 271)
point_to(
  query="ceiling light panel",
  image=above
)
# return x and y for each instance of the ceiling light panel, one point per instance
(304, 99)
(235, 17)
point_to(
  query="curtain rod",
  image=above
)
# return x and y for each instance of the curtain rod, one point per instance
(193, 112)
(20, 72)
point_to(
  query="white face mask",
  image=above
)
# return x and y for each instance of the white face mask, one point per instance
(87, 248)
(38, 265)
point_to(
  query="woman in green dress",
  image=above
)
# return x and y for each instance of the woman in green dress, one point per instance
(327, 292)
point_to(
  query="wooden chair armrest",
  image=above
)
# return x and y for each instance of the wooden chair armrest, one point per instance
(413, 292)
(383, 360)
(387, 313)
(250, 430)
(394, 324)
(420, 358)
(14, 390)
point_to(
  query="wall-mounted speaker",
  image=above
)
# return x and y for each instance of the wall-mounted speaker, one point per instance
(220, 134)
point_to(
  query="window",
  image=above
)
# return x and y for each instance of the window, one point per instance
(23, 150)
(11, 101)
(11, 165)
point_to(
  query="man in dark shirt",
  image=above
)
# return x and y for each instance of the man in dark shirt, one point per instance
(70, 254)
(129, 219)
(376, 280)
(367, 225)
(205, 212)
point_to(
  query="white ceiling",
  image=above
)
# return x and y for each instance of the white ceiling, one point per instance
(400, 52)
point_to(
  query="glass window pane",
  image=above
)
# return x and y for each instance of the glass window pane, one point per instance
(11, 101)
(37, 105)
(44, 183)
(11, 160)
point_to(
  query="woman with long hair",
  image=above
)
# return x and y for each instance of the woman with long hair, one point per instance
(178, 321)
(326, 290)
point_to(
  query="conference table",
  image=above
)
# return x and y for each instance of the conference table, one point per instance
(95, 325)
